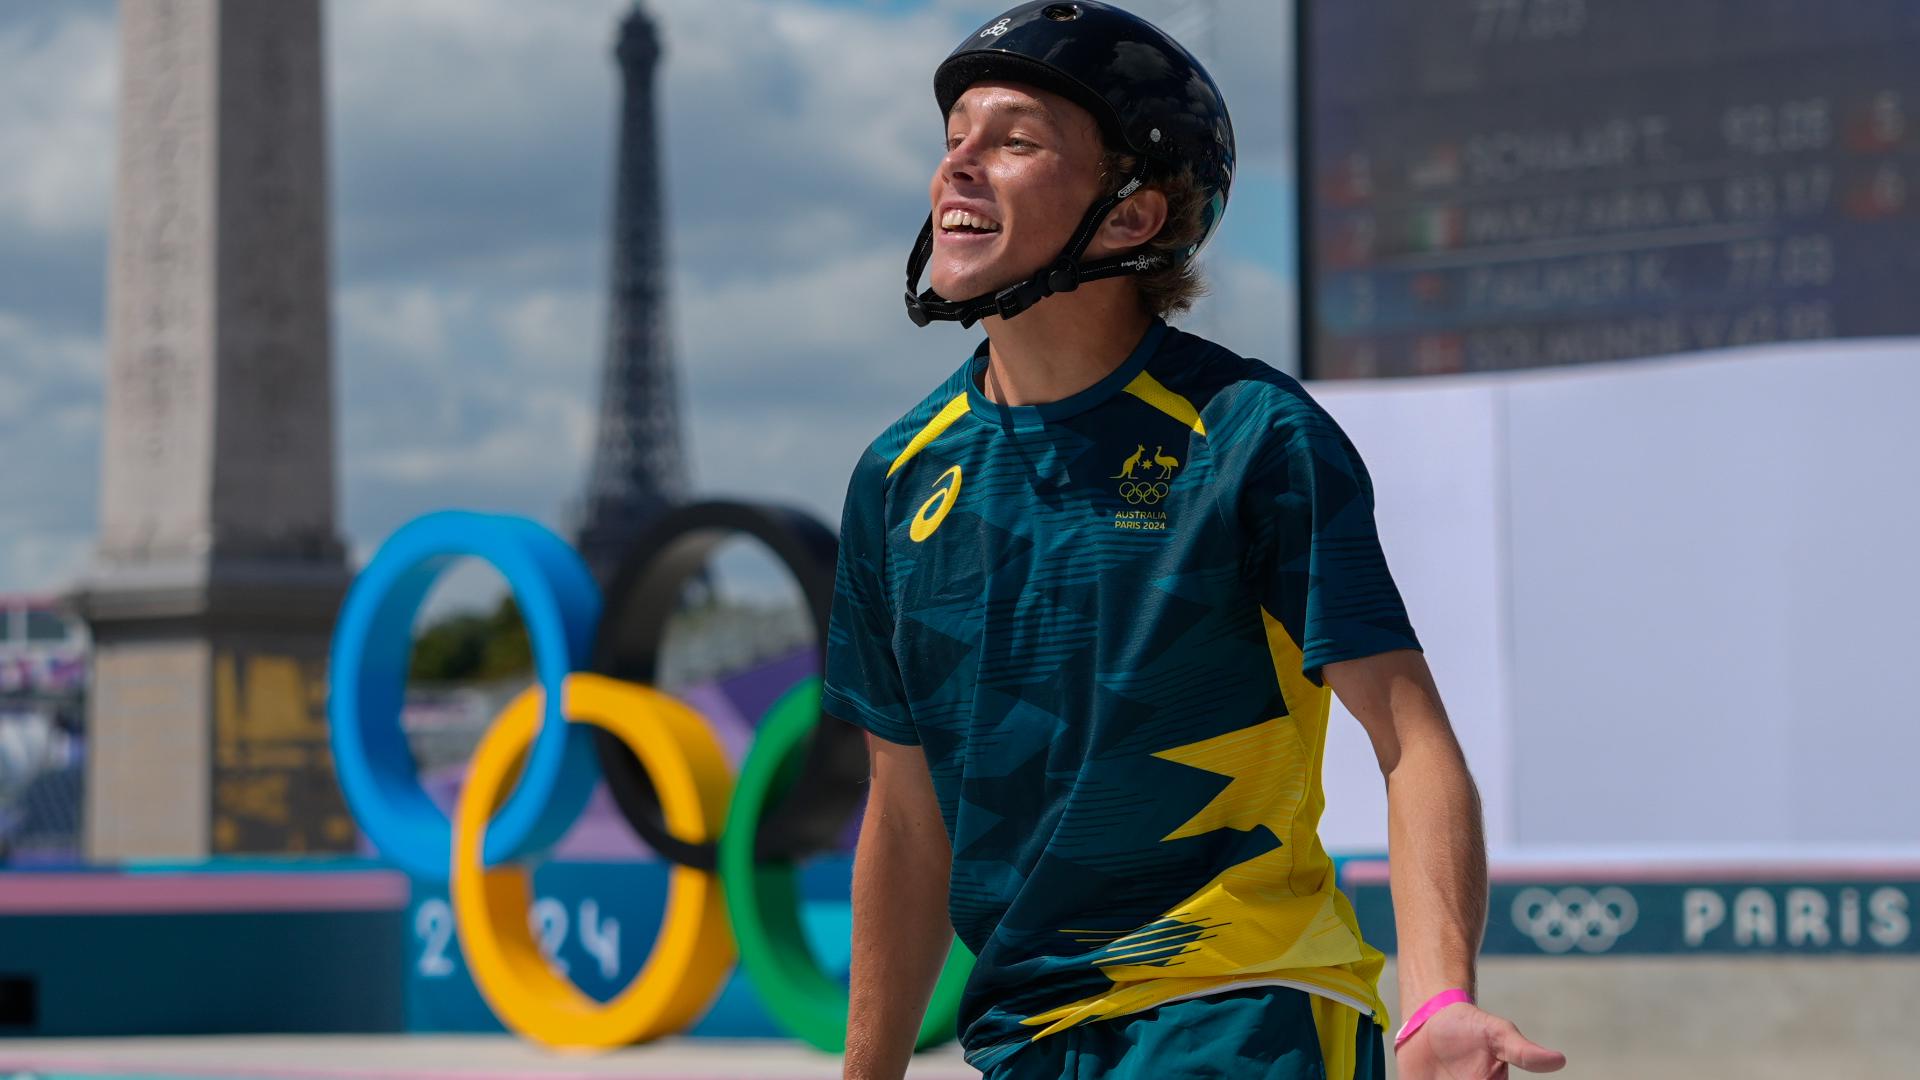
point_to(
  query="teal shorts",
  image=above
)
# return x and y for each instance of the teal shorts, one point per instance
(1260, 1033)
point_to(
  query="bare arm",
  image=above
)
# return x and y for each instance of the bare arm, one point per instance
(1438, 862)
(900, 928)
(1434, 838)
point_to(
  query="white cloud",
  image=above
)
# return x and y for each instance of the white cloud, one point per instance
(49, 438)
(550, 435)
(56, 129)
(848, 303)
(465, 71)
(35, 356)
(864, 102)
(555, 330)
(412, 320)
(44, 562)
(1250, 308)
(435, 406)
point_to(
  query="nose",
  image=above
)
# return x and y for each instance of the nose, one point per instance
(962, 163)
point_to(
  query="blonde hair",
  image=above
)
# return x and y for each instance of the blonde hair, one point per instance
(1171, 291)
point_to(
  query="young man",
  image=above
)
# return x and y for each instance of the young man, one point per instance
(1094, 594)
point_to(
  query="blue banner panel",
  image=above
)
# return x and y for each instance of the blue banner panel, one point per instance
(208, 948)
(1669, 912)
(596, 921)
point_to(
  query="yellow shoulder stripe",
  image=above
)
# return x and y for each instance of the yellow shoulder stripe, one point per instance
(1153, 392)
(941, 421)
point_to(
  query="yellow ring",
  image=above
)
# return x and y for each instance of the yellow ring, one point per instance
(694, 951)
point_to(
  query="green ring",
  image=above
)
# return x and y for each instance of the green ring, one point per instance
(763, 900)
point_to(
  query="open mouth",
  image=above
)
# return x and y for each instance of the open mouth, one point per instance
(966, 223)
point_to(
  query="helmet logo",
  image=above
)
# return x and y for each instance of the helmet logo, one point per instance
(1132, 186)
(996, 29)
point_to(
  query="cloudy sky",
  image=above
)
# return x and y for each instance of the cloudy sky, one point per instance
(472, 144)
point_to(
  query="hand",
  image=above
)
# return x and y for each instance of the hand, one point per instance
(1463, 1042)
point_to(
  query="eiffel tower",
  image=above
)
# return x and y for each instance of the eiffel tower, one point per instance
(639, 463)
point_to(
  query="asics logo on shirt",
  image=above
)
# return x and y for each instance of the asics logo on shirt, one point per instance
(934, 510)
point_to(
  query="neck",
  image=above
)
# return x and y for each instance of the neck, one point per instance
(1063, 344)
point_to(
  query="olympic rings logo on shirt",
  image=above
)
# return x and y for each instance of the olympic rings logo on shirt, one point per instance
(1139, 493)
(592, 713)
(1575, 918)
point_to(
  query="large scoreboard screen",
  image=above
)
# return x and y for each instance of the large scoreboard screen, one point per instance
(1495, 184)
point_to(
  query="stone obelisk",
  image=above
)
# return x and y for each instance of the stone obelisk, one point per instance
(218, 568)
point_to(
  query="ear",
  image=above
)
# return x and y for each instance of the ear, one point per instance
(1135, 221)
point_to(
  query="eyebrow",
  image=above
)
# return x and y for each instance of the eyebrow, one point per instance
(1019, 108)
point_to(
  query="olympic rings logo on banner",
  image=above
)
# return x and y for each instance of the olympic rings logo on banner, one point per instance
(734, 843)
(1575, 918)
(1139, 493)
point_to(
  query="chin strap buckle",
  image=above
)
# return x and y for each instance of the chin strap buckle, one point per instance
(1015, 299)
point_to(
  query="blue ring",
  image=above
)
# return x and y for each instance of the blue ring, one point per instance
(372, 643)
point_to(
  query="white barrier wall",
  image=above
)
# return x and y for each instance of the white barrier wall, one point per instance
(1672, 604)
(1432, 454)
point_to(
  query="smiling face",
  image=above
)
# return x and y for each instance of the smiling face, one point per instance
(1022, 166)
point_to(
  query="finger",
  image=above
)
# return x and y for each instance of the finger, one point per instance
(1519, 1050)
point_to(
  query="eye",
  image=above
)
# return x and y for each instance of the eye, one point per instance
(1019, 143)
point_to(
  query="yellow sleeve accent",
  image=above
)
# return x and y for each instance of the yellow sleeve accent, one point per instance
(942, 420)
(1153, 392)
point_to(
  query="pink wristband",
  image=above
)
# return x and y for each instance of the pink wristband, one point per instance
(1425, 1012)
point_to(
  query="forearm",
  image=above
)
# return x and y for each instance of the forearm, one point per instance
(1438, 858)
(1438, 862)
(900, 937)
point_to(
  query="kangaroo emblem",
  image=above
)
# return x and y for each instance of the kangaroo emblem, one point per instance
(1166, 461)
(1138, 459)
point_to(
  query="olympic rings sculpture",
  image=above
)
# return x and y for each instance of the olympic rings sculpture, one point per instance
(1140, 493)
(733, 889)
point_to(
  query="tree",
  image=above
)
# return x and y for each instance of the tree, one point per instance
(473, 647)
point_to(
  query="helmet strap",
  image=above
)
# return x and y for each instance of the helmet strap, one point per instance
(1064, 274)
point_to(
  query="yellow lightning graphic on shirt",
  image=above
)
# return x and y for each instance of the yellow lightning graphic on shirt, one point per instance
(1267, 770)
(1273, 915)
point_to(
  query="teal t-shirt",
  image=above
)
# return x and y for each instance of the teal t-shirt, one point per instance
(1103, 619)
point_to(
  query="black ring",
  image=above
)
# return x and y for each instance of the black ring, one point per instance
(645, 592)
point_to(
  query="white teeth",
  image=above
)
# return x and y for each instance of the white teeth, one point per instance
(960, 219)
